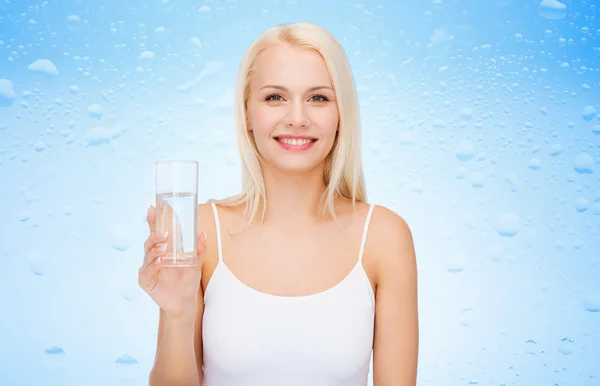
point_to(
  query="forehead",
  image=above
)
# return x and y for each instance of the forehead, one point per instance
(291, 67)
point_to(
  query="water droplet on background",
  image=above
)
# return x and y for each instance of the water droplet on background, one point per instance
(531, 347)
(566, 346)
(465, 151)
(455, 262)
(147, 55)
(466, 317)
(589, 112)
(496, 252)
(54, 357)
(507, 224)
(7, 93)
(43, 66)
(583, 164)
(126, 359)
(95, 111)
(591, 301)
(37, 261)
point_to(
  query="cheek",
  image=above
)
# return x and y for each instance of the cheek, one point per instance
(263, 120)
(327, 120)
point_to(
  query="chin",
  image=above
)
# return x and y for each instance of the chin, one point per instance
(295, 167)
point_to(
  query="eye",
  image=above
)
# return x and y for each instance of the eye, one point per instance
(320, 98)
(273, 97)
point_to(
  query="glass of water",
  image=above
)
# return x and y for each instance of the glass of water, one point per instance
(177, 209)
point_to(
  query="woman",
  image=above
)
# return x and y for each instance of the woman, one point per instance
(291, 291)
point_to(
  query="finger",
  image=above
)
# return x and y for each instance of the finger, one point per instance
(153, 239)
(151, 218)
(154, 253)
(147, 271)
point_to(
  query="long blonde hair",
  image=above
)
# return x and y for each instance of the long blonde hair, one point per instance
(343, 172)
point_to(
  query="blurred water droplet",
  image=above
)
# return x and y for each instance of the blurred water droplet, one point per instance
(43, 66)
(466, 113)
(126, 359)
(591, 301)
(129, 294)
(496, 252)
(54, 357)
(552, 10)
(37, 261)
(406, 138)
(596, 129)
(7, 93)
(534, 164)
(147, 55)
(513, 181)
(466, 317)
(531, 347)
(583, 164)
(95, 111)
(24, 216)
(477, 180)
(119, 234)
(596, 209)
(439, 124)
(40, 146)
(375, 147)
(469, 220)
(73, 23)
(555, 150)
(465, 151)
(507, 224)
(581, 204)
(588, 112)
(417, 186)
(455, 262)
(461, 173)
(99, 135)
(566, 346)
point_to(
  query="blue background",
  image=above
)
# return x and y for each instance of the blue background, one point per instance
(481, 128)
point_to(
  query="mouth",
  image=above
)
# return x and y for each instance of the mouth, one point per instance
(295, 143)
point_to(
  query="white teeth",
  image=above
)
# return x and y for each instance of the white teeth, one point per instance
(294, 141)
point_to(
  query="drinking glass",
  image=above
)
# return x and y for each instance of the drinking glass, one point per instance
(177, 209)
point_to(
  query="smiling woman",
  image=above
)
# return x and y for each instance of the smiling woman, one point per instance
(307, 292)
(293, 114)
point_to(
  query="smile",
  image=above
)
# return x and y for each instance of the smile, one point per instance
(291, 143)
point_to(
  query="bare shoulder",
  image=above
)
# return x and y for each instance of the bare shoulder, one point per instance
(391, 243)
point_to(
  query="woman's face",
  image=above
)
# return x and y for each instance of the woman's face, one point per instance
(291, 109)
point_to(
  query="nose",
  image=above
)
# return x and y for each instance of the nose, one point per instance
(297, 116)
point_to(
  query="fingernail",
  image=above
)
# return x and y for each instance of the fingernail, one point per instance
(163, 234)
(204, 233)
(162, 247)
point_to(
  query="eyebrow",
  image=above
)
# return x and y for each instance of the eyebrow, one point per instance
(285, 89)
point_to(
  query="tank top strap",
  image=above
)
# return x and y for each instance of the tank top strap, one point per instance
(218, 230)
(365, 231)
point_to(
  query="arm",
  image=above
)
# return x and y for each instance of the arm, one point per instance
(396, 341)
(178, 361)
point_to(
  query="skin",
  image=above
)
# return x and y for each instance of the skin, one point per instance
(282, 265)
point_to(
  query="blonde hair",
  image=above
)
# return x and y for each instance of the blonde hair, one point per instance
(343, 173)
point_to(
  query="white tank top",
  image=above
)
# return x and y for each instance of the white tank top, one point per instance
(251, 338)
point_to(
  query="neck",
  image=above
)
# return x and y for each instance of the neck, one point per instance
(293, 198)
